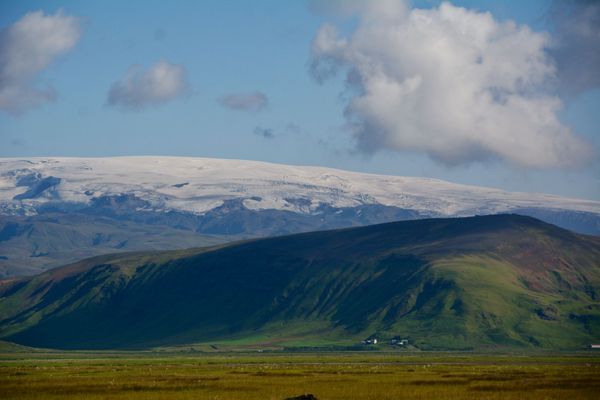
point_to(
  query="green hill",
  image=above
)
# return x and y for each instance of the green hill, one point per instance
(460, 283)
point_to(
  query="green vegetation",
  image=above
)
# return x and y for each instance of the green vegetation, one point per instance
(277, 376)
(494, 282)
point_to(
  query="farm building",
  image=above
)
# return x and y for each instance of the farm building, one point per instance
(370, 341)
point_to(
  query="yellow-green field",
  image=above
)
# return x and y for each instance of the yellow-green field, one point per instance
(277, 376)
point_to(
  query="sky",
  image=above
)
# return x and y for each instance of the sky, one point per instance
(503, 94)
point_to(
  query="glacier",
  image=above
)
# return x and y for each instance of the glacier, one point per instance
(198, 185)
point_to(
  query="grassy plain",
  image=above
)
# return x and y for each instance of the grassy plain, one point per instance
(361, 375)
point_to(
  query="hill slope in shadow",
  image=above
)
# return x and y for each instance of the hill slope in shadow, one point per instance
(459, 283)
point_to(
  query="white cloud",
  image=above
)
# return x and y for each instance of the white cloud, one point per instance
(253, 101)
(140, 88)
(449, 82)
(27, 47)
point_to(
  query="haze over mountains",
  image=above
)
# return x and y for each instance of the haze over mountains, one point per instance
(460, 283)
(58, 210)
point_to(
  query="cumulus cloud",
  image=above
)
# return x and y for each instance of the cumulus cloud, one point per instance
(253, 101)
(576, 45)
(26, 48)
(140, 88)
(266, 133)
(449, 82)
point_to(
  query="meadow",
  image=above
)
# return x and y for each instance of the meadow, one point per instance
(276, 376)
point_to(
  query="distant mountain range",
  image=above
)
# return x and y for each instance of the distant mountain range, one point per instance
(58, 210)
(498, 281)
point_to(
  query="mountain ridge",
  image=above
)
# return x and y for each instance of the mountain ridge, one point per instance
(160, 173)
(94, 202)
(453, 283)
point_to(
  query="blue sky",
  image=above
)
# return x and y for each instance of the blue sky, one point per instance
(222, 53)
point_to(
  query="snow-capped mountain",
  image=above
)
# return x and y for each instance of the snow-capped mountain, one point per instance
(198, 185)
(59, 210)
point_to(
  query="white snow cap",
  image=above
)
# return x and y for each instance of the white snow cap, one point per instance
(198, 185)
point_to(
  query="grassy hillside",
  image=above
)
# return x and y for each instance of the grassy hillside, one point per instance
(494, 281)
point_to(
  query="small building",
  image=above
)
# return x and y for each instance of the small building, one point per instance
(370, 341)
(399, 342)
